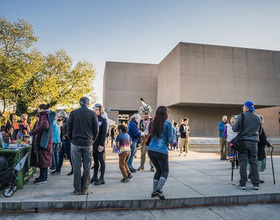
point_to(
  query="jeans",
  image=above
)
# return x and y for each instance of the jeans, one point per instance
(160, 162)
(81, 155)
(123, 158)
(177, 139)
(43, 174)
(55, 155)
(112, 142)
(66, 148)
(250, 153)
(98, 158)
(133, 152)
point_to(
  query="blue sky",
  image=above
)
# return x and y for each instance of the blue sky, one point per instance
(147, 30)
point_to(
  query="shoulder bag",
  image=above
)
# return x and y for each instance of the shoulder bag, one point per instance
(236, 143)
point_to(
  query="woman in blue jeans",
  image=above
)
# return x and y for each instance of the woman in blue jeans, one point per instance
(161, 136)
(135, 134)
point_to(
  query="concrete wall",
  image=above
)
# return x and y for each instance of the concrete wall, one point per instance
(169, 78)
(271, 120)
(228, 75)
(202, 82)
(203, 121)
(126, 83)
(113, 115)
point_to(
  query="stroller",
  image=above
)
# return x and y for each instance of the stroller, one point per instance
(8, 175)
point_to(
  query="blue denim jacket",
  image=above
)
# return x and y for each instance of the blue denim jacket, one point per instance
(161, 145)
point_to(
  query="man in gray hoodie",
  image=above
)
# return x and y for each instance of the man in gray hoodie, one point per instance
(250, 131)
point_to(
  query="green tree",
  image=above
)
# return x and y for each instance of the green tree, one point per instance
(16, 40)
(59, 82)
(28, 78)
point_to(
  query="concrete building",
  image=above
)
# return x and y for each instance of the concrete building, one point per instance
(201, 82)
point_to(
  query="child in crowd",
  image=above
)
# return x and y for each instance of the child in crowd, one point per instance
(123, 142)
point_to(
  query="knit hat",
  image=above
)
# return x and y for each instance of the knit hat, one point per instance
(249, 105)
(62, 114)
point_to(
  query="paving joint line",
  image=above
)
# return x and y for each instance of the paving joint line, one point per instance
(264, 204)
(217, 213)
(189, 187)
(152, 214)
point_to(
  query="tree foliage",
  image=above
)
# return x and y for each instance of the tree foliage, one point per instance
(29, 78)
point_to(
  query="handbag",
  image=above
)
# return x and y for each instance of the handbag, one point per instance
(236, 143)
(147, 139)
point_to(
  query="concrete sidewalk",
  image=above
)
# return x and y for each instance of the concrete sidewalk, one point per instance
(196, 180)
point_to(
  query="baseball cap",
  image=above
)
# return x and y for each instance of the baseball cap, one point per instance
(249, 105)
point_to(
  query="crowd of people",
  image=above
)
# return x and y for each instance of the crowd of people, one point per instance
(15, 130)
(81, 138)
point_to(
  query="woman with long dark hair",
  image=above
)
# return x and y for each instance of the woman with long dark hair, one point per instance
(160, 130)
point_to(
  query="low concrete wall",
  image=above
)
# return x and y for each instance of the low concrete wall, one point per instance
(212, 145)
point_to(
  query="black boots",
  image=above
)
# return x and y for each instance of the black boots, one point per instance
(99, 181)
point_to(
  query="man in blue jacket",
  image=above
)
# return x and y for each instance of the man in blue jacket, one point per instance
(135, 134)
(223, 139)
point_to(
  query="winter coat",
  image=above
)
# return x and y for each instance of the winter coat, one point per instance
(133, 131)
(56, 133)
(221, 128)
(64, 134)
(46, 134)
(261, 146)
(41, 157)
(82, 127)
(100, 139)
(251, 127)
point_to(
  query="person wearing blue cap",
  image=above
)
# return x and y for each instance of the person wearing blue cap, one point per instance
(249, 129)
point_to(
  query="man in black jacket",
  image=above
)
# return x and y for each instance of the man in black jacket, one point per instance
(82, 131)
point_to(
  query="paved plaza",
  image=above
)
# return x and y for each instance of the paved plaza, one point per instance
(196, 180)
